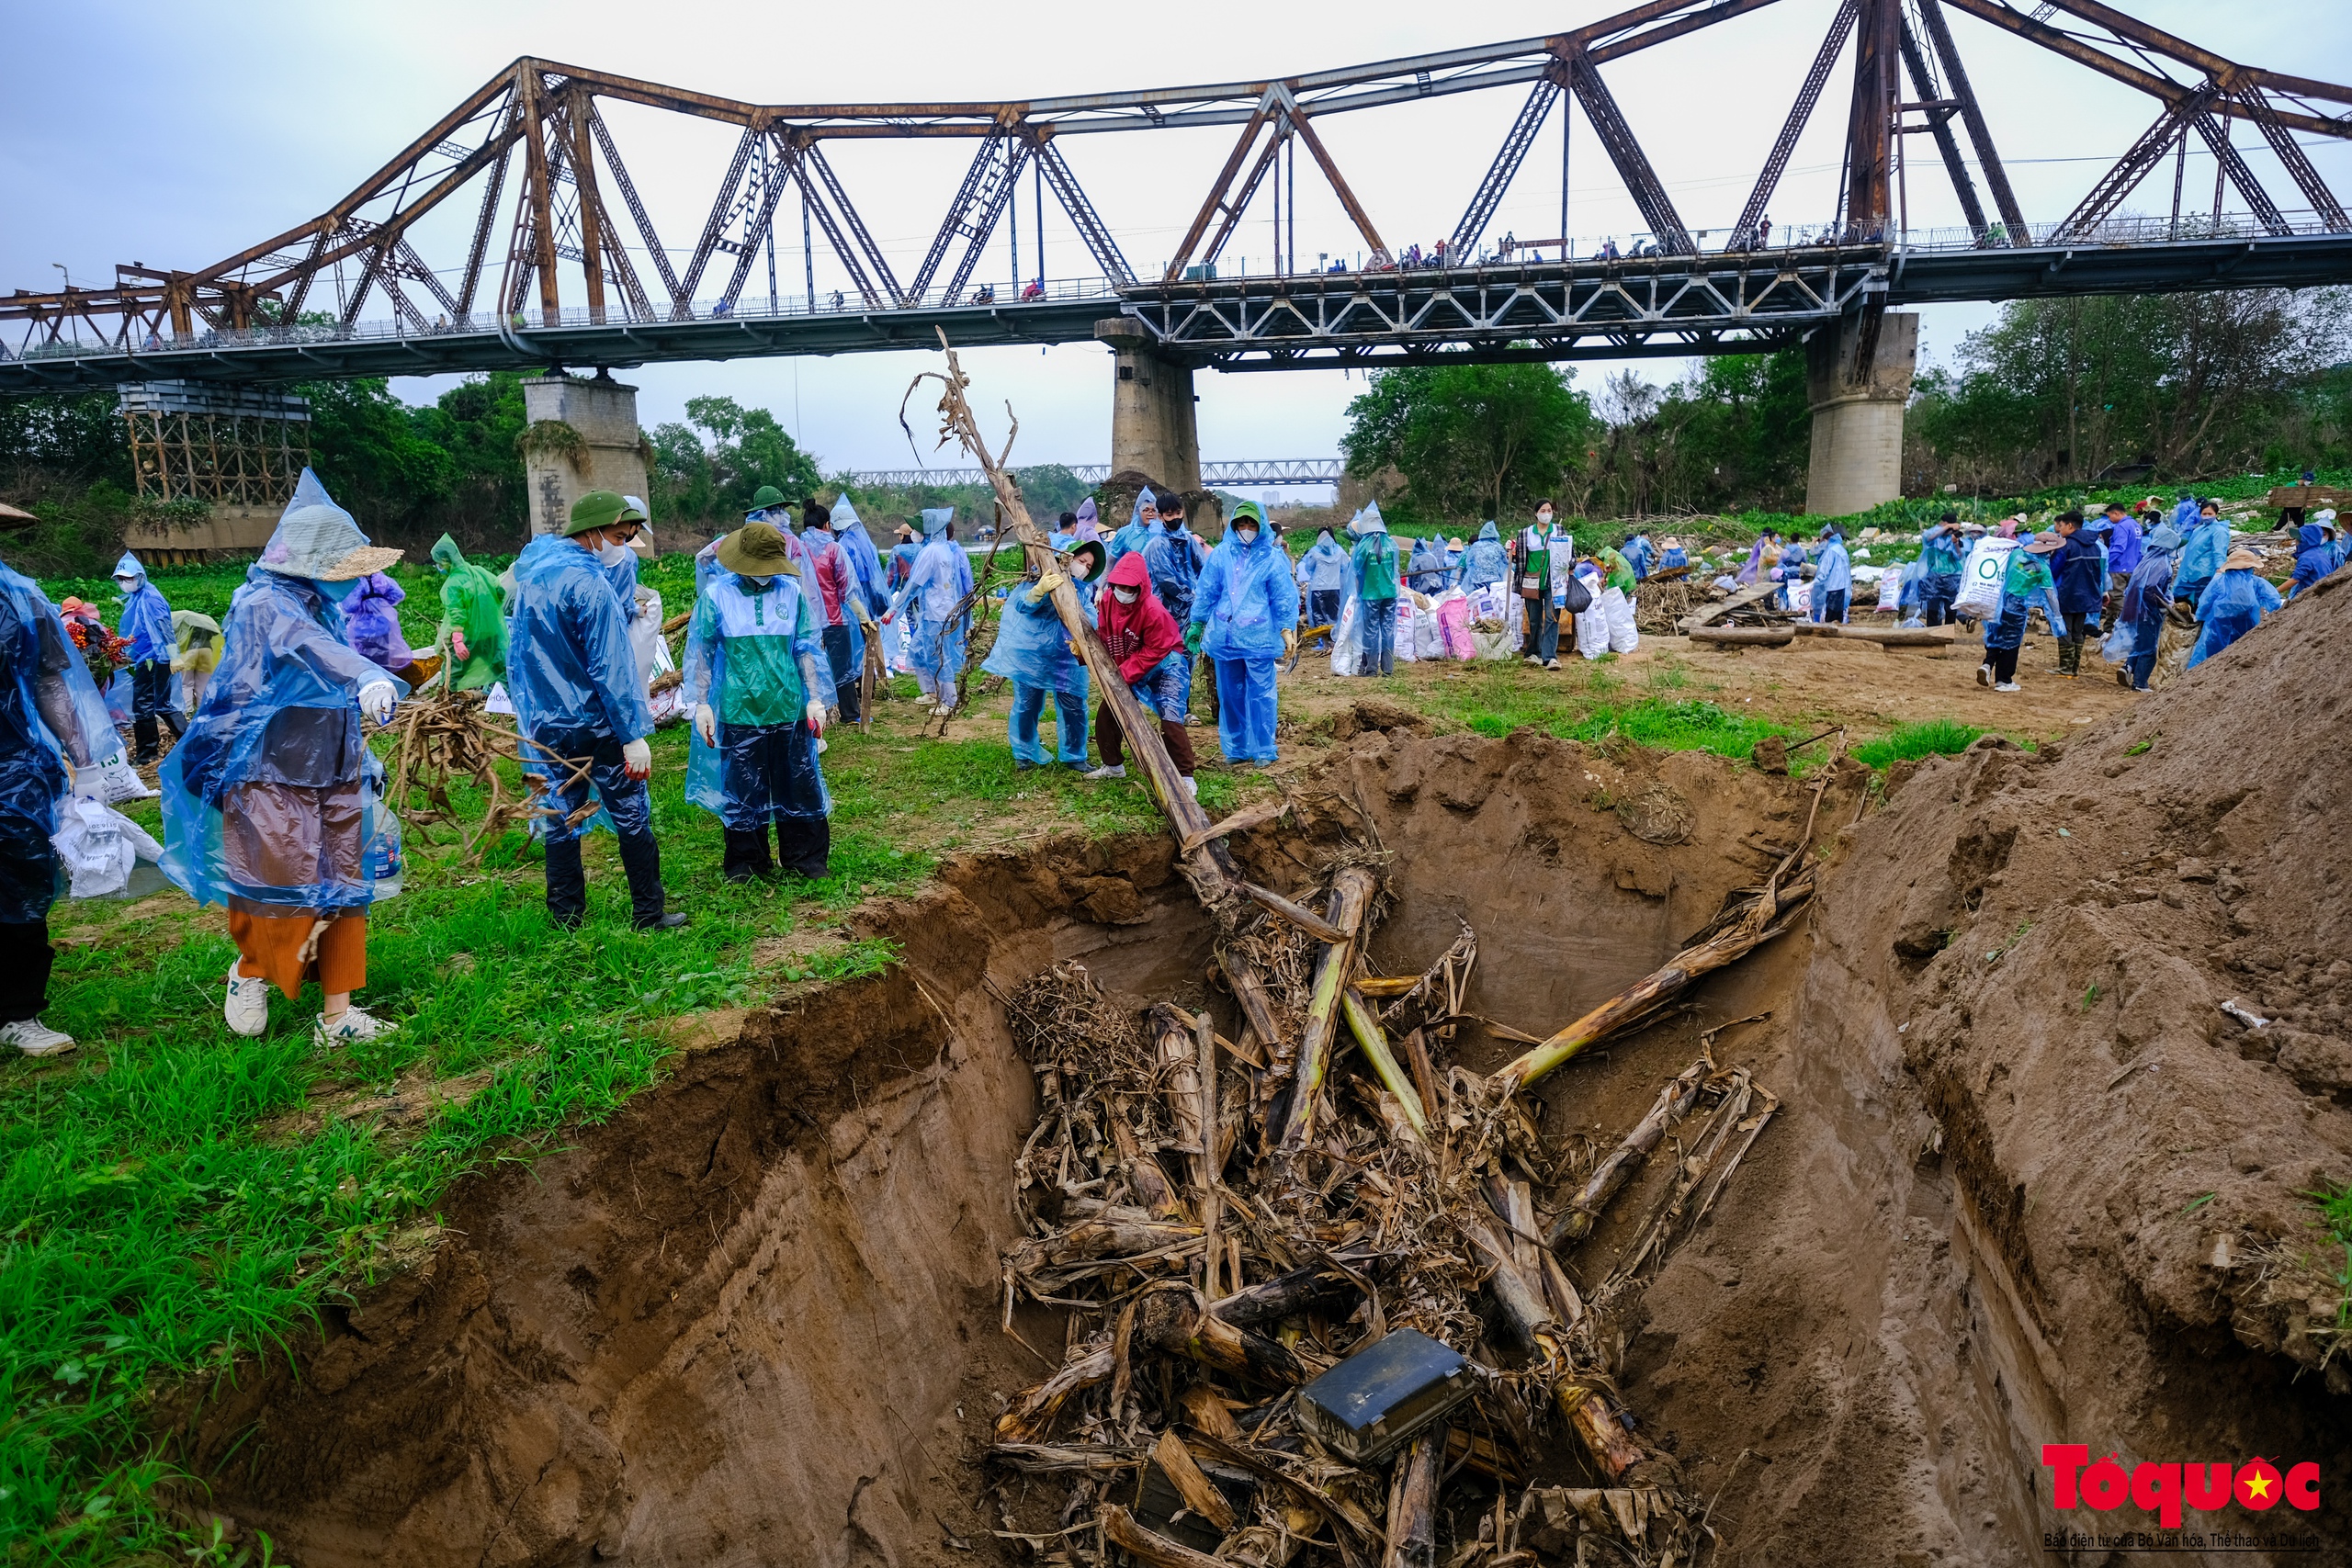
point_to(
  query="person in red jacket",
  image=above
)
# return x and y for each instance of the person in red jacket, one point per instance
(1141, 635)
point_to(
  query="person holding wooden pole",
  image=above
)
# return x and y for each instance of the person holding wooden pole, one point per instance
(1245, 618)
(1140, 634)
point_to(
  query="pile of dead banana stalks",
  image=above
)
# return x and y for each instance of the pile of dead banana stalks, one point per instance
(1222, 1222)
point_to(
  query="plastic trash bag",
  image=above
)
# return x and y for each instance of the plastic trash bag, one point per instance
(1454, 624)
(1428, 637)
(1407, 642)
(1592, 621)
(1347, 636)
(1623, 637)
(101, 848)
(1980, 577)
(380, 830)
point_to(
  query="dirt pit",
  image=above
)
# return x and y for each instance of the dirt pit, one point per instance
(755, 1319)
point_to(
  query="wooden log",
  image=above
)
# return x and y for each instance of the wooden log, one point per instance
(1350, 899)
(1648, 994)
(1374, 1041)
(1210, 1159)
(1744, 637)
(1242, 821)
(1216, 880)
(1412, 1503)
(1149, 1547)
(1674, 1102)
(1184, 1472)
(1707, 614)
(1304, 918)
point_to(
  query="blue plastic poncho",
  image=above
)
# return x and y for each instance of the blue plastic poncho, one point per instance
(1484, 561)
(373, 624)
(1245, 597)
(1137, 532)
(1835, 574)
(1942, 551)
(621, 573)
(1173, 559)
(2231, 606)
(2025, 582)
(1429, 567)
(939, 580)
(744, 648)
(1637, 553)
(50, 713)
(2125, 543)
(2204, 545)
(831, 562)
(1323, 568)
(1674, 556)
(1033, 646)
(863, 559)
(264, 807)
(2080, 568)
(146, 617)
(569, 666)
(2315, 557)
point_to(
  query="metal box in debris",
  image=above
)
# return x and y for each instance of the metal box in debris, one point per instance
(1371, 1403)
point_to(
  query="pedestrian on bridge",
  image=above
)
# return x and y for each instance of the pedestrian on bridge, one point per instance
(933, 599)
(579, 703)
(1245, 618)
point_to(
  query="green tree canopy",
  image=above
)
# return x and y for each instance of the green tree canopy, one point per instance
(1473, 441)
(747, 448)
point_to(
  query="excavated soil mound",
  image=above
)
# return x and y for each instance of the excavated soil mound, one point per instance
(2068, 1207)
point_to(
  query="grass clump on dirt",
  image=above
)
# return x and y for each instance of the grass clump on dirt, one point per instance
(1909, 742)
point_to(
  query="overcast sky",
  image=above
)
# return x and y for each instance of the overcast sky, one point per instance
(175, 135)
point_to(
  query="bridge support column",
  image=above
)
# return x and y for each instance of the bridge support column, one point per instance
(603, 414)
(1857, 414)
(1154, 427)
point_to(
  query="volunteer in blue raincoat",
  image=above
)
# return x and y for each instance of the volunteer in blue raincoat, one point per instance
(1245, 618)
(2147, 599)
(579, 705)
(752, 652)
(146, 624)
(837, 594)
(1429, 569)
(1638, 555)
(2315, 557)
(371, 618)
(1173, 558)
(863, 559)
(271, 799)
(1140, 527)
(1942, 551)
(2025, 584)
(2231, 605)
(1323, 573)
(51, 720)
(1833, 580)
(939, 581)
(1485, 562)
(1033, 651)
(2205, 544)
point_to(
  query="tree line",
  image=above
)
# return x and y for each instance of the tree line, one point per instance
(2161, 388)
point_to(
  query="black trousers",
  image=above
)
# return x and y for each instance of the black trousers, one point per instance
(151, 699)
(803, 846)
(28, 883)
(1322, 606)
(2004, 661)
(845, 669)
(626, 802)
(25, 960)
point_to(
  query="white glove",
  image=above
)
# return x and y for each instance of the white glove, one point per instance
(637, 760)
(375, 700)
(706, 724)
(815, 714)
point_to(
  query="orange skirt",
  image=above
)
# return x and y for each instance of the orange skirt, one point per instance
(271, 949)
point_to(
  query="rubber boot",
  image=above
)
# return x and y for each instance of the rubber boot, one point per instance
(641, 859)
(804, 845)
(567, 883)
(147, 739)
(747, 854)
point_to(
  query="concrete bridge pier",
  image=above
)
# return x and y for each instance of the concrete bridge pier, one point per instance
(603, 414)
(1858, 413)
(1155, 424)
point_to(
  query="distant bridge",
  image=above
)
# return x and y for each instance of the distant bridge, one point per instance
(1247, 473)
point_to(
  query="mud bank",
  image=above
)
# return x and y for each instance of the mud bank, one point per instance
(755, 1319)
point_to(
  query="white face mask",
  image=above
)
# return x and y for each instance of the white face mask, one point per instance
(1544, 520)
(1126, 595)
(612, 554)
(1249, 536)
(758, 581)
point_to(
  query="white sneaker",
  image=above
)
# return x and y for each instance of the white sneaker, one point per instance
(1109, 771)
(354, 1023)
(1192, 786)
(942, 711)
(2006, 687)
(1550, 663)
(247, 1009)
(1532, 660)
(1983, 674)
(35, 1038)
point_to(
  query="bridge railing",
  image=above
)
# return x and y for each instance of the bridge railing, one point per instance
(1794, 240)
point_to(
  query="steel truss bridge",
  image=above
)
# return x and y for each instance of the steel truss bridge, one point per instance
(553, 267)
